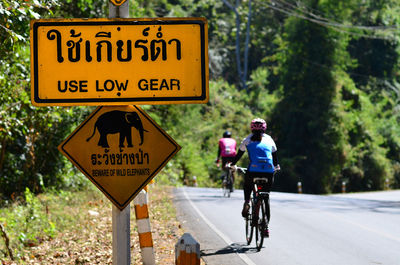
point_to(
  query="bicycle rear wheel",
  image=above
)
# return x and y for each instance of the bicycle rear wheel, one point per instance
(225, 190)
(230, 183)
(249, 225)
(261, 224)
(227, 184)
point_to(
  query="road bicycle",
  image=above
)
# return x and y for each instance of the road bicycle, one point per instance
(227, 183)
(259, 212)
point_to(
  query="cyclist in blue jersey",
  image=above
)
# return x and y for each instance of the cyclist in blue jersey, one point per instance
(262, 150)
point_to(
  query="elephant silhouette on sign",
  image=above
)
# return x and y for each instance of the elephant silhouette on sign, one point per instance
(118, 122)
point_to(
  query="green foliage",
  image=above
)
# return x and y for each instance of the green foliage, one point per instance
(329, 130)
(197, 128)
(14, 22)
(324, 74)
(371, 155)
(82, 9)
(308, 122)
(29, 136)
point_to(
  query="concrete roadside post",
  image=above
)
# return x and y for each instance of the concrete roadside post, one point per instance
(299, 188)
(187, 251)
(121, 230)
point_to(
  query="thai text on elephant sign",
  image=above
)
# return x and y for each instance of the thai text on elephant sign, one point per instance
(120, 149)
(119, 61)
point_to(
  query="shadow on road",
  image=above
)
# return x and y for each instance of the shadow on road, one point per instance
(235, 248)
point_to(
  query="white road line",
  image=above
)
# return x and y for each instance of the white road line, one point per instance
(246, 259)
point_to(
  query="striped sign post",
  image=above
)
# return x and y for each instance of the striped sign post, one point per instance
(144, 229)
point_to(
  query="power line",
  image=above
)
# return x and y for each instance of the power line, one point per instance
(291, 11)
(332, 22)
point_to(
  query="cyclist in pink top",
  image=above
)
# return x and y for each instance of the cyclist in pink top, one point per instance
(226, 150)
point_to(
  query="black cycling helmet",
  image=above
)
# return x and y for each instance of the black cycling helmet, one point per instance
(227, 134)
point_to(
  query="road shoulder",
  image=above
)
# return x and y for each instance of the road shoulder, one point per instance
(214, 250)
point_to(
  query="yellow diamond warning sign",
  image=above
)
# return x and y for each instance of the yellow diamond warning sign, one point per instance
(120, 149)
(117, 2)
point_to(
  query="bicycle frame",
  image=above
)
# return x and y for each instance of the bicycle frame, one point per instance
(258, 188)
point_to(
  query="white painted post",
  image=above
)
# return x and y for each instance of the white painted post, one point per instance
(121, 232)
(194, 181)
(121, 229)
(144, 228)
(299, 188)
(121, 11)
(187, 251)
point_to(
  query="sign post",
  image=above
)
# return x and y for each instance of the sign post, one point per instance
(121, 226)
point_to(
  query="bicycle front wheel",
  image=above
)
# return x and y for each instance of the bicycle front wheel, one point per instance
(261, 224)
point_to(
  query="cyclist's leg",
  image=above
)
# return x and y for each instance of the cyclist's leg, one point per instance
(270, 177)
(232, 173)
(267, 210)
(247, 189)
(248, 185)
(224, 169)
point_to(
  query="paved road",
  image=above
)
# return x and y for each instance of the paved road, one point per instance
(353, 229)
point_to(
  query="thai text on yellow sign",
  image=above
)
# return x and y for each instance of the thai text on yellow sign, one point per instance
(119, 61)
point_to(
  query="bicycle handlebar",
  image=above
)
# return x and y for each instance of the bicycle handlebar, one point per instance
(244, 170)
(240, 169)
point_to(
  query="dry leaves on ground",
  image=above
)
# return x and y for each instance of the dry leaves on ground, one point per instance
(90, 242)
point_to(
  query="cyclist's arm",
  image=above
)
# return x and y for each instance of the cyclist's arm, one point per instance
(274, 159)
(238, 156)
(241, 150)
(219, 153)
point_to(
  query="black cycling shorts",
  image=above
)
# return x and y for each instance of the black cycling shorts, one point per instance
(225, 160)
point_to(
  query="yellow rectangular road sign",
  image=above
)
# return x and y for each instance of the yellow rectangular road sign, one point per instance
(119, 61)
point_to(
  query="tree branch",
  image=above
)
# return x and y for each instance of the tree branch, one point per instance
(7, 241)
(246, 48)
